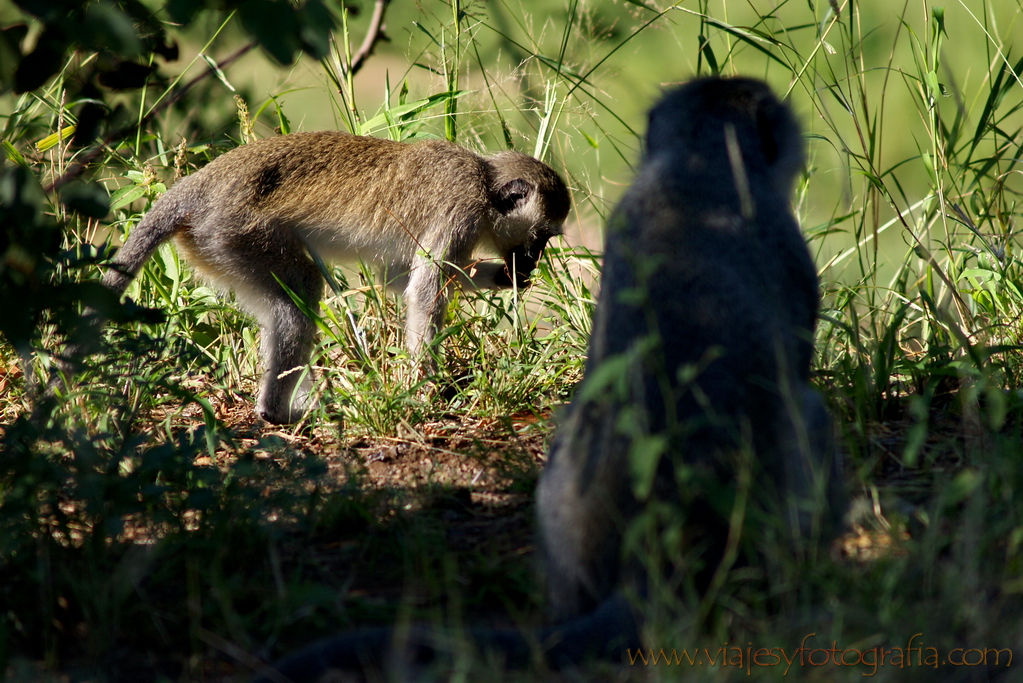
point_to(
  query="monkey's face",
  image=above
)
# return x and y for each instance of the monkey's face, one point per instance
(533, 203)
(521, 260)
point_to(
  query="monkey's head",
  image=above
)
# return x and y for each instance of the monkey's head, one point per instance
(692, 119)
(532, 202)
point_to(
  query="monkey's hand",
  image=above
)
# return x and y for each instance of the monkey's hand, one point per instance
(521, 261)
(486, 275)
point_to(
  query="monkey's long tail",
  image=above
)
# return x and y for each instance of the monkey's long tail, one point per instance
(162, 221)
(158, 226)
(605, 633)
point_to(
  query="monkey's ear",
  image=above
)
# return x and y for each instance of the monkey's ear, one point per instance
(781, 142)
(512, 195)
(768, 127)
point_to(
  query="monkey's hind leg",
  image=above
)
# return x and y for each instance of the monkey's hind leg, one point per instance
(808, 464)
(287, 334)
(582, 503)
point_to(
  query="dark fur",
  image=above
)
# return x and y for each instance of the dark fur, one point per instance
(705, 273)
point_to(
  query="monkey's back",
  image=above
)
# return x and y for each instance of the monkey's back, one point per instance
(734, 297)
(707, 237)
(313, 182)
(701, 335)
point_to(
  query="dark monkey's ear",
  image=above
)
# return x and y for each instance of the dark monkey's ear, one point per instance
(780, 139)
(512, 194)
(779, 134)
(768, 127)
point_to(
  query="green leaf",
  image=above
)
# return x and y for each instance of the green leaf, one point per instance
(644, 457)
(405, 112)
(980, 275)
(52, 139)
(933, 86)
(46, 58)
(10, 53)
(751, 38)
(168, 261)
(317, 25)
(126, 195)
(605, 376)
(274, 25)
(12, 153)
(221, 76)
(429, 35)
(708, 54)
(645, 6)
(964, 484)
(285, 123)
(938, 13)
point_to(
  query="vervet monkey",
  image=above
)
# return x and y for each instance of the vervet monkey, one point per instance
(700, 352)
(249, 220)
(702, 342)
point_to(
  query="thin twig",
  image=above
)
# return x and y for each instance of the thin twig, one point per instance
(226, 62)
(374, 35)
(79, 166)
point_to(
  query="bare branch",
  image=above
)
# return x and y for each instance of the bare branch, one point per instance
(79, 166)
(373, 36)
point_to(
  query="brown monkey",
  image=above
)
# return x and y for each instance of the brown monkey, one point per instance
(701, 348)
(419, 211)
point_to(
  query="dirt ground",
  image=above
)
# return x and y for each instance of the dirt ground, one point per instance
(447, 508)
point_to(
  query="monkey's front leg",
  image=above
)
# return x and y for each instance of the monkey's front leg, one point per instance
(485, 275)
(425, 304)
